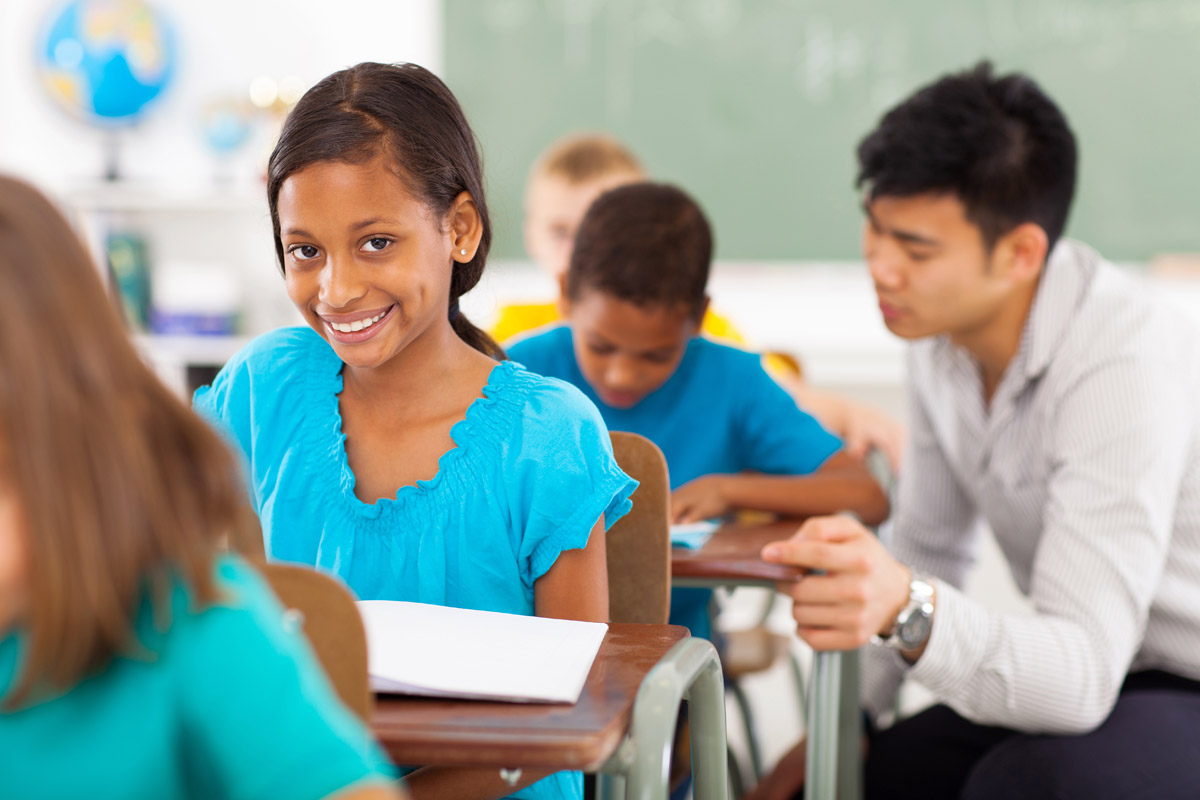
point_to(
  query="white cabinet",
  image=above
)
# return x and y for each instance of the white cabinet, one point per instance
(209, 248)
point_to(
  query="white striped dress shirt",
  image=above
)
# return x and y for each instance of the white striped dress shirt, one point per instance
(1087, 468)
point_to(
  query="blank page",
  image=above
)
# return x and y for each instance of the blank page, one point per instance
(415, 648)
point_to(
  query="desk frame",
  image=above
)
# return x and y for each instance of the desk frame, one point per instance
(638, 769)
(834, 722)
(631, 756)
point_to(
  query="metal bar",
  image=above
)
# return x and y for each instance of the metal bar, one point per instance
(823, 707)
(849, 786)
(691, 671)
(610, 787)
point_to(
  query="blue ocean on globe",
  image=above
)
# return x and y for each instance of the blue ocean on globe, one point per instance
(105, 61)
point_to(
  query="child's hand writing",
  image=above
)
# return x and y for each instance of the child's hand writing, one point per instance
(702, 498)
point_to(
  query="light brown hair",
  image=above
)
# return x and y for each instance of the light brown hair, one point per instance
(583, 157)
(121, 487)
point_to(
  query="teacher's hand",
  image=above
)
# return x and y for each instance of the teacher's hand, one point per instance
(861, 592)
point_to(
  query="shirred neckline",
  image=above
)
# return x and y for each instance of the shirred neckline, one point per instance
(324, 391)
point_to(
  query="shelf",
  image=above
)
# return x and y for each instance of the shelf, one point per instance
(134, 197)
(184, 350)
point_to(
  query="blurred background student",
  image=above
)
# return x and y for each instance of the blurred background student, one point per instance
(563, 182)
(136, 660)
(633, 298)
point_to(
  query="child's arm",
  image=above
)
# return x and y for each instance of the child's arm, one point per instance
(840, 484)
(861, 426)
(576, 587)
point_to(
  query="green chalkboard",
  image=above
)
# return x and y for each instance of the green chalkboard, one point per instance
(756, 106)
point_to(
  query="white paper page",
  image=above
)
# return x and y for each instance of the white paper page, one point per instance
(414, 648)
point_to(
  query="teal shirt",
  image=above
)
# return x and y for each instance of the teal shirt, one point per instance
(531, 472)
(718, 413)
(232, 705)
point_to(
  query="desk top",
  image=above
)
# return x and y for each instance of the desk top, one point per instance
(583, 736)
(733, 554)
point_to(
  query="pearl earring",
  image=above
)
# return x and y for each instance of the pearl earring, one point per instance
(462, 252)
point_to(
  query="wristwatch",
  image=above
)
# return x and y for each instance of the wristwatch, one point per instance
(913, 623)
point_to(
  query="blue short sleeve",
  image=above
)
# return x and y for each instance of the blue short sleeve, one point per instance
(776, 436)
(561, 477)
(256, 708)
(256, 398)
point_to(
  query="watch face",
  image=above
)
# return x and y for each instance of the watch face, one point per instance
(914, 630)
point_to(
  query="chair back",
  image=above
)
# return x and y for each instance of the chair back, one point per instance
(639, 544)
(333, 626)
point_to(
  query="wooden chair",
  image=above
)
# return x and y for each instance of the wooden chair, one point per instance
(333, 627)
(639, 544)
(638, 547)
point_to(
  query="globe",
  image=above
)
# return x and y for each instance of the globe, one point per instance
(106, 61)
(226, 125)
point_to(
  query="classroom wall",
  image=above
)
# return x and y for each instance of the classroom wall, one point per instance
(224, 44)
(757, 105)
(203, 219)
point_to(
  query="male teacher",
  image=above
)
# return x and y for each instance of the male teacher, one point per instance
(1052, 397)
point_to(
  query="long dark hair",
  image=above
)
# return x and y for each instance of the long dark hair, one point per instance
(119, 485)
(405, 111)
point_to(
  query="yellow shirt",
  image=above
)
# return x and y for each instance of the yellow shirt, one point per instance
(517, 318)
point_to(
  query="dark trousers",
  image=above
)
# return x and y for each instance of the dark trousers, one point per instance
(1149, 747)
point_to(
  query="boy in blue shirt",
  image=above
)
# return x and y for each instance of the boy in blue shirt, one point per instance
(634, 297)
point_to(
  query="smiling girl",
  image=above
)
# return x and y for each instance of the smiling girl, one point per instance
(386, 442)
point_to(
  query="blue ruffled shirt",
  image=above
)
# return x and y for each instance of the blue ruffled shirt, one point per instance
(718, 413)
(531, 473)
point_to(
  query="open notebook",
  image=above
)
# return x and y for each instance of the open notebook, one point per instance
(414, 648)
(693, 535)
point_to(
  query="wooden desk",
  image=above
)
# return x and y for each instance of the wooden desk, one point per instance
(622, 724)
(731, 557)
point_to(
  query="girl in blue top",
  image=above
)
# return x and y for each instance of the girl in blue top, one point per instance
(135, 661)
(386, 443)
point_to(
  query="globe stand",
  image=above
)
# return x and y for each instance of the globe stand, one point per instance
(112, 156)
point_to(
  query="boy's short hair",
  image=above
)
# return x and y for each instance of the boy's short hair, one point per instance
(582, 157)
(645, 243)
(999, 144)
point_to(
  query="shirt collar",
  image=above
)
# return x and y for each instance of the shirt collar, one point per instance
(1065, 280)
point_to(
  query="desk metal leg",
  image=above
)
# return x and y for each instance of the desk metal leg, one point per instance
(832, 770)
(850, 729)
(610, 786)
(822, 729)
(834, 731)
(691, 671)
